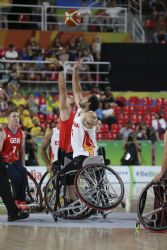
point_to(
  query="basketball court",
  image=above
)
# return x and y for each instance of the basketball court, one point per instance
(117, 231)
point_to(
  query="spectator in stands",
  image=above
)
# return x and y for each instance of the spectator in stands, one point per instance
(72, 49)
(30, 151)
(132, 154)
(11, 53)
(108, 114)
(3, 107)
(36, 130)
(18, 99)
(96, 47)
(32, 104)
(63, 55)
(159, 125)
(26, 119)
(99, 111)
(11, 89)
(141, 131)
(125, 131)
(5, 12)
(160, 37)
(85, 15)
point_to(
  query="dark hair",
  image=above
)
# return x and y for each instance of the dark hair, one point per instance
(94, 103)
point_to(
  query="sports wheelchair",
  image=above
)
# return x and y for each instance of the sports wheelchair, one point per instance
(34, 198)
(97, 186)
(152, 206)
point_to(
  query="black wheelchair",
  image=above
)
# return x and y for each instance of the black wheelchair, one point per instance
(34, 199)
(97, 186)
(152, 206)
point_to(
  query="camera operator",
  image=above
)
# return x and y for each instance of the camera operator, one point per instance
(132, 151)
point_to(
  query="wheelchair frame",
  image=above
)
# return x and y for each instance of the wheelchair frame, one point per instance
(152, 206)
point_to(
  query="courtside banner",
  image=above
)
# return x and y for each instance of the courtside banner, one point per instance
(141, 174)
(123, 172)
(145, 173)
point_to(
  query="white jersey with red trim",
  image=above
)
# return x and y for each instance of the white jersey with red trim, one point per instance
(55, 143)
(83, 140)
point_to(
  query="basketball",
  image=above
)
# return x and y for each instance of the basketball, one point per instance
(72, 17)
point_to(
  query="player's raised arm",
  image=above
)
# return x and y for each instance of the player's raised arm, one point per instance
(164, 162)
(2, 138)
(45, 144)
(76, 86)
(65, 108)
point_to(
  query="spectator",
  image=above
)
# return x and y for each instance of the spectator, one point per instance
(26, 119)
(159, 125)
(36, 130)
(96, 48)
(11, 53)
(30, 151)
(3, 107)
(32, 104)
(132, 151)
(108, 114)
(18, 99)
(125, 131)
(141, 132)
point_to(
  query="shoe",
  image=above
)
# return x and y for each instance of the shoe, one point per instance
(23, 205)
(19, 216)
(17, 202)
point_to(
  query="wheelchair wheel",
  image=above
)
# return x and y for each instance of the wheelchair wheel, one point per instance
(33, 194)
(99, 187)
(152, 206)
(51, 193)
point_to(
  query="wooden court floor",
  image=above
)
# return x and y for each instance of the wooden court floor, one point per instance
(117, 232)
(39, 238)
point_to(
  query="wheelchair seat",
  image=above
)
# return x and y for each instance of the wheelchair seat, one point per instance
(93, 160)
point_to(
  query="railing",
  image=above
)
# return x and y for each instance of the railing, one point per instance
(93, 19)
(138, 33)
(135, 6)
(22, 16)
(91, 73)
(44, 17)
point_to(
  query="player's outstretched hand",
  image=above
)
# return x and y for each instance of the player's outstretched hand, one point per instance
(77, 64)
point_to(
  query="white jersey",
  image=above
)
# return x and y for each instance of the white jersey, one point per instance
(55, 143)
(83, 140)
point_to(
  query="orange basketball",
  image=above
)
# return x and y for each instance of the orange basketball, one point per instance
(72, 17)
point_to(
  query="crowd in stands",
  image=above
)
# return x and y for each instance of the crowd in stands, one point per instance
(155, 12)
(74, 49)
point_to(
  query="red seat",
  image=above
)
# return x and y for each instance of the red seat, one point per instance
(99, 136)
(108, 136)
(122, 99)
(161, 101)
(134, 100)
(49, 118)
(104, 128)
(146, 101)
(115, 128)
(128, 110)
(120, 119)
(117, 110)
(41, 118)
(154, 109)
(54, 117)
(141, 110)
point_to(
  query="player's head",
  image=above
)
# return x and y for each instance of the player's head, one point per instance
(89, 103)
(71, 100)
(14, 119)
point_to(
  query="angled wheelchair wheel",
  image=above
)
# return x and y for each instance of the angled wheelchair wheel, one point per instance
(51, 193)
(152, 206)
(33, 194)
(99, 187)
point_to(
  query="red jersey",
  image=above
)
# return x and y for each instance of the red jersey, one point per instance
(65, 133)
(12, 145)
